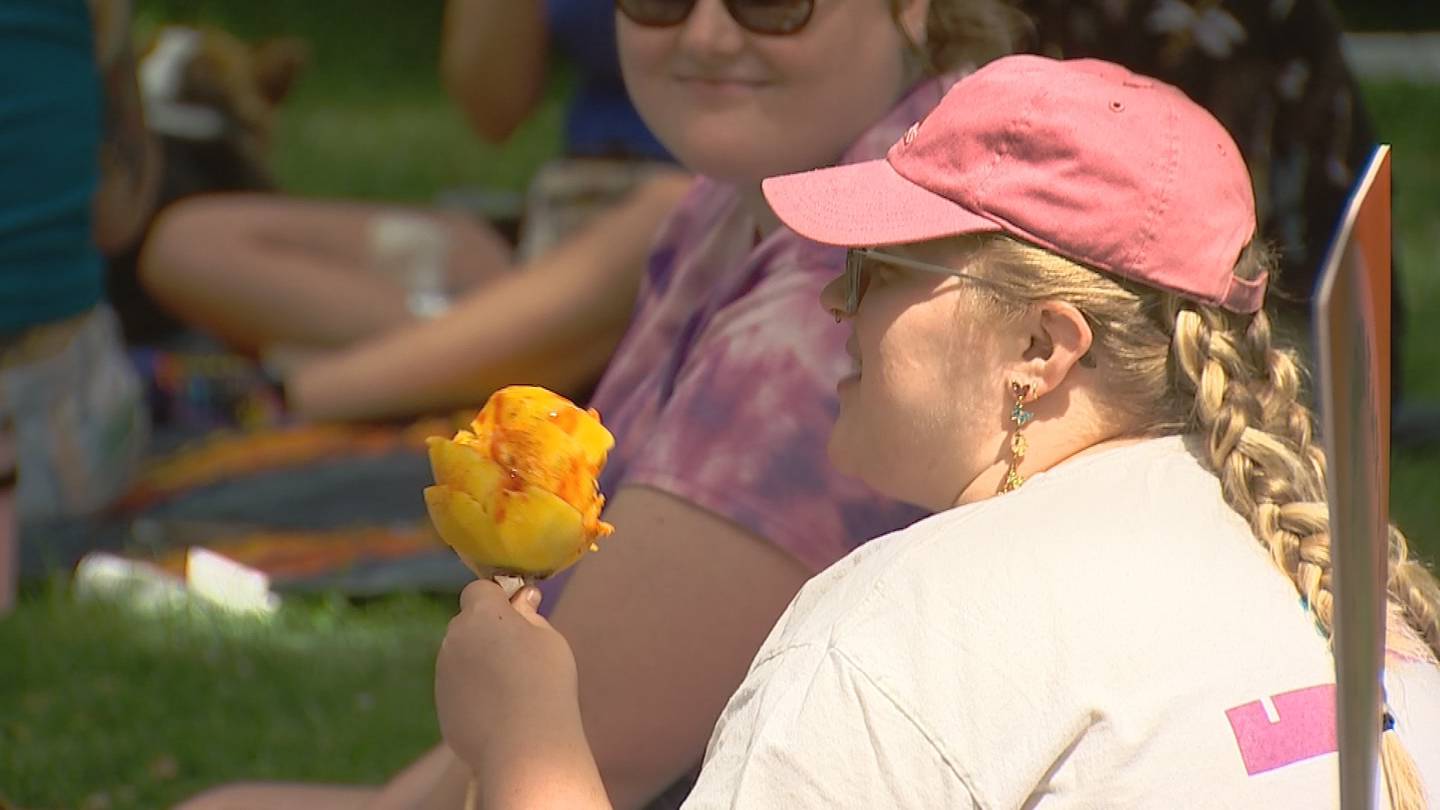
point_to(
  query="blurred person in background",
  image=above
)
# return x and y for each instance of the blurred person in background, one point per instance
(80, 172)
(373, 311)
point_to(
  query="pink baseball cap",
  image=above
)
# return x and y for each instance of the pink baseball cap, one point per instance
(1114, 170)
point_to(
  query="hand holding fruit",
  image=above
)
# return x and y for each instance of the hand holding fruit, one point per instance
(503, 671)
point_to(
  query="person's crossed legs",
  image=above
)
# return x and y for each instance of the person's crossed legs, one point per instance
(260, 270)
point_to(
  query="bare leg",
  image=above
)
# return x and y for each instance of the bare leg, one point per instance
(435, 781)
(257, 270)
(280, 796)
(554, 324)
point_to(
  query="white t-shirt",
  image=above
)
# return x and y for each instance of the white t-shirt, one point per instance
(1110, 635)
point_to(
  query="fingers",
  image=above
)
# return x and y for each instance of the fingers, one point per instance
(526, 602)
(489, 598)
(487, 590)
(482, 593)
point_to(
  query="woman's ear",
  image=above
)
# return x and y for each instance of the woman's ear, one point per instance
(1059, 338)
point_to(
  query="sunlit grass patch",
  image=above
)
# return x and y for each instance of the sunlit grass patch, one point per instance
(143, 707)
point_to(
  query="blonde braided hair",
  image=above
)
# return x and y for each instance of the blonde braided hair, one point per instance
(1172, 366)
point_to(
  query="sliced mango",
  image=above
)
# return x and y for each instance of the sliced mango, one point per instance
(517, 493)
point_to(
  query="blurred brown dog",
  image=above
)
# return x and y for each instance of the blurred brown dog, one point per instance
(213, 101)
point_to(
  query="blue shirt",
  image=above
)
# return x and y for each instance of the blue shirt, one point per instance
(601, 121)
(50, 129)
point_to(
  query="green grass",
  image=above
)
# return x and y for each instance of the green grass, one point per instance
(103, 707)
(408, 145)
(1407, 116)
(358, 47)
(108, 706)
(368, 118)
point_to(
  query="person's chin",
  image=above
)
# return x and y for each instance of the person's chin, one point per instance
(729, 160)
(734, 148)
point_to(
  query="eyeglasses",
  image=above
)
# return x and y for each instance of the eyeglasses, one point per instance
(769, 17)
(856, 279)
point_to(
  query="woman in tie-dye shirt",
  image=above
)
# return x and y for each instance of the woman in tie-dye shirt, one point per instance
(722, 394)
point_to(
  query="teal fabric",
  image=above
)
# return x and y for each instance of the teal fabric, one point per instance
(50, 130)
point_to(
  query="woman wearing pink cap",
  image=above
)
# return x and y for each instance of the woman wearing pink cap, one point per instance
(1123, 597)
(722, 393)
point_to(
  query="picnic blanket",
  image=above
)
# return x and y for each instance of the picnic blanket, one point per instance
(315, 507)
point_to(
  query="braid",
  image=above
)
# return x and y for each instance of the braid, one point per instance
(1260, 442)
(1182, 366)
(1416, 590)
(1260, 445)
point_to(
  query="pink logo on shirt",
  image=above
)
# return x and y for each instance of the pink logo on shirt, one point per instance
(1286, 728)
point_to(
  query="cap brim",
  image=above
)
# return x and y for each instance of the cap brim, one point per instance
(865, 204)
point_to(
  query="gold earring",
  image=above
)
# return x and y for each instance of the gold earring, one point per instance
(1018, 445)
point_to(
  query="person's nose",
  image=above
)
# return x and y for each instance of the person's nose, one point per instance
(710, 33)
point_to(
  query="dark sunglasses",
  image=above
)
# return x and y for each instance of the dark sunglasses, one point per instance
(770, 17)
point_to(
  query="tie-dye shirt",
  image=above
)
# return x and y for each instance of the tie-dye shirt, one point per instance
(723, 391)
